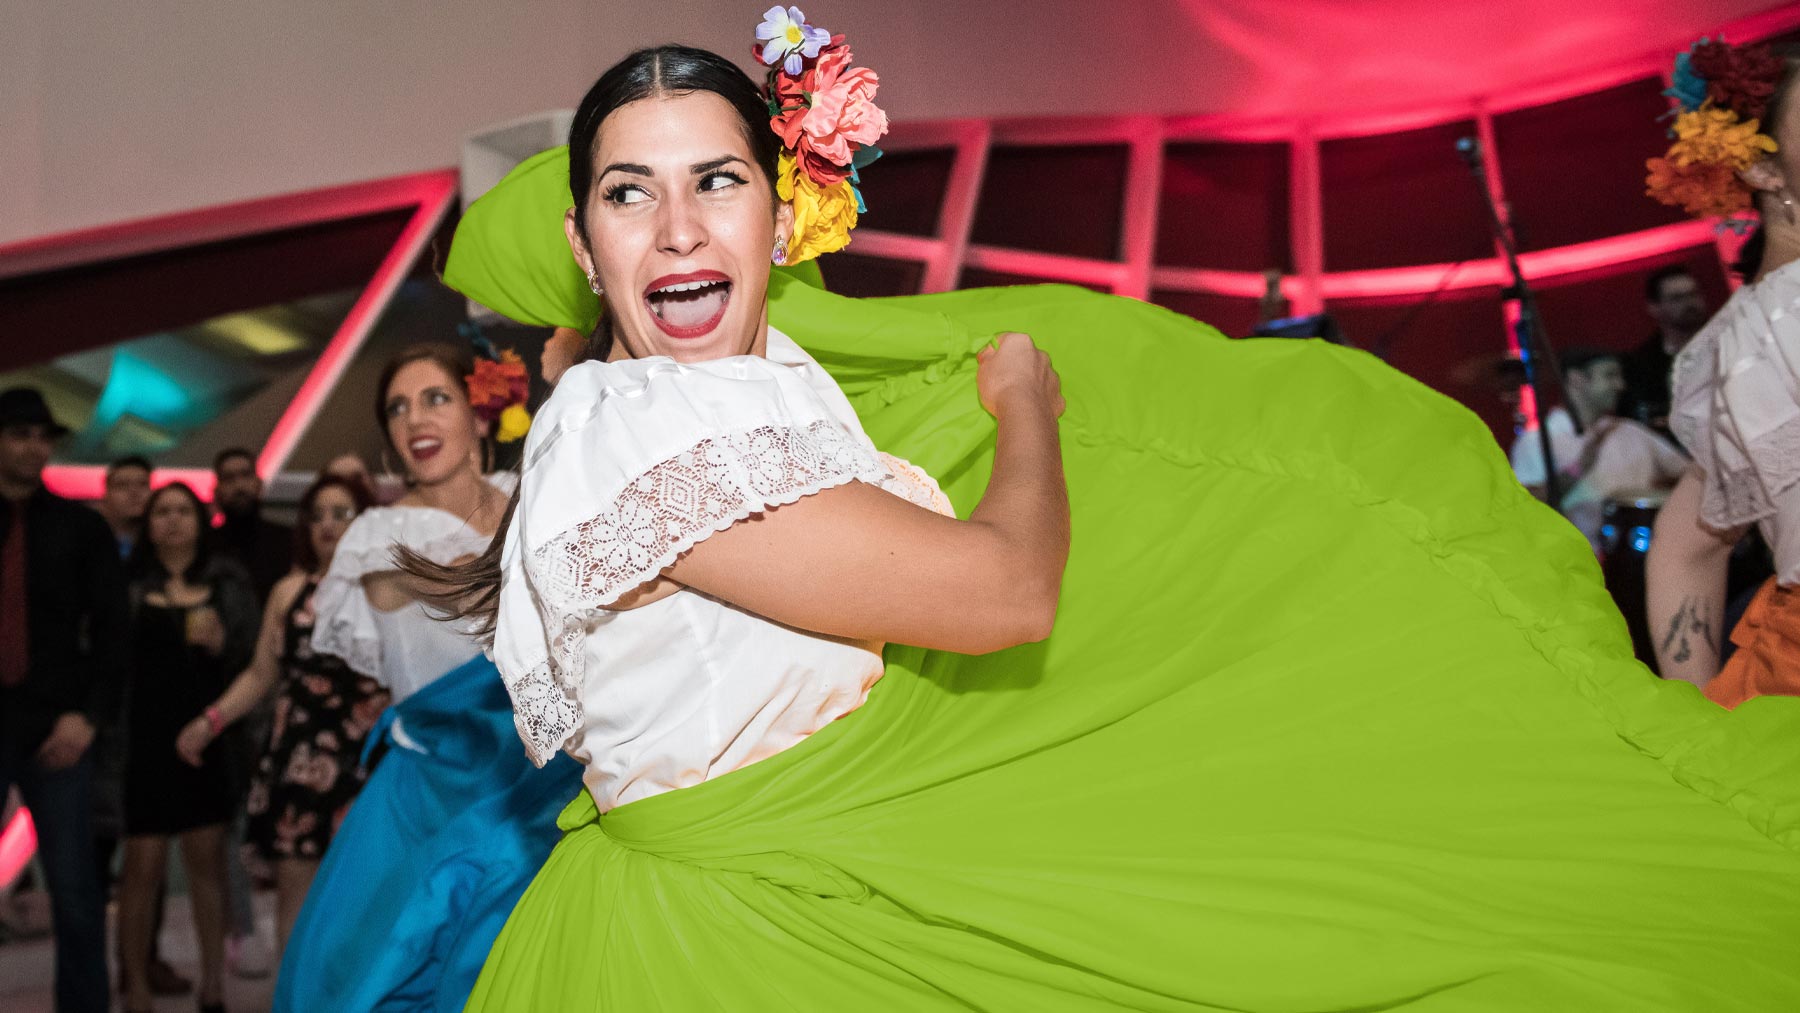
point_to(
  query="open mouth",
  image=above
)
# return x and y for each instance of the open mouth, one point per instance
(688, 305)
(425, 448)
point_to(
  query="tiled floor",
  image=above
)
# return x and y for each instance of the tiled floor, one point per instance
(27, 966)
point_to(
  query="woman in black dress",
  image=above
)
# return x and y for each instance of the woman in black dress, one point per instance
(312, 768)
(193, 623)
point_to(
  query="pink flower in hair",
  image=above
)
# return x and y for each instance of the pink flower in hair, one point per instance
(835, 114)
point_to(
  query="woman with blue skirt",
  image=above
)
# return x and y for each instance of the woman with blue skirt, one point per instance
(454, 821)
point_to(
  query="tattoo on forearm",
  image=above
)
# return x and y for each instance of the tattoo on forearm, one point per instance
(1690, 627)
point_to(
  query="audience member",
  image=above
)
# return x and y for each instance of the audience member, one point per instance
(126, 492)
(122, 503)
(264, 549)
(260, 546)
(63, 623)
(1674, 300)
(313, 767)
(193, 623)
(1598, 454)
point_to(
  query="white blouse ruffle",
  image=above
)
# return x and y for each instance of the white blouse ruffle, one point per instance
(408, 648)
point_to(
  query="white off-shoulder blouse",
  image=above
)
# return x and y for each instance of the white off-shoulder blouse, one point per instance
(408, 648)
(1737, 411)
(628, 465)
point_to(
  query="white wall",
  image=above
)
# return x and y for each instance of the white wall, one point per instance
(117, 109)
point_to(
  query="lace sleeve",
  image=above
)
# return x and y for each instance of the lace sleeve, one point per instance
(676, 504)
(656, 462)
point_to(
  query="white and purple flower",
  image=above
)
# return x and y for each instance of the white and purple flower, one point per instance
(787, 39)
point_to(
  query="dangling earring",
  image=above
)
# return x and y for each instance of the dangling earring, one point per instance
(594, 282)
(779, 257)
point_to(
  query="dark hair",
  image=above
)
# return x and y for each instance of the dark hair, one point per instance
(472, 590)
(229, 453)
(133, 461)
(144, 562)
(1750, 256)
(1584, 359)
(1653, 285)
(665, 70)
(458, 362)
(306, 558)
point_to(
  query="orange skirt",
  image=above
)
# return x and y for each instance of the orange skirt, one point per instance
(1767, 661)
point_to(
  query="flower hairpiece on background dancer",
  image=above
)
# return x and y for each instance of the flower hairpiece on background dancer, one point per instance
(1721, 93)
(498, 389)
(826, 116)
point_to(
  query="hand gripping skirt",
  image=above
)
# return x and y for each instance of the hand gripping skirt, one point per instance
(437, 848)
(1335, 717)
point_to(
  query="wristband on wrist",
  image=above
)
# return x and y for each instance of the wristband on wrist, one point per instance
(214, 721)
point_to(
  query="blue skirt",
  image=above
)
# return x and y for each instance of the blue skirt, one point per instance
(450, 829)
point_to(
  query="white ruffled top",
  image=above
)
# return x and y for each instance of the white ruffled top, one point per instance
(406, 649)
(1737, 411)
(627, 466)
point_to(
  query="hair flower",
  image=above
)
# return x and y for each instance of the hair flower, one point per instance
(841, 114)
(497, 392)
(825, 114)
(787, 39)
(1687, 88)
(1720, 94)
(823, 214)
(515, 422)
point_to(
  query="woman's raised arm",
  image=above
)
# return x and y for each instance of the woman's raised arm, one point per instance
(858, 562)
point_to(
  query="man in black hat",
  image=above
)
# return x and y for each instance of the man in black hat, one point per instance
(63, 652)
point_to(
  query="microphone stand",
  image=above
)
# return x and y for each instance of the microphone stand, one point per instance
(1533, 342)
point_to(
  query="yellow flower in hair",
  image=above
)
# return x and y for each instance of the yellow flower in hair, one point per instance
(514, 422)
(823, 216)
(1710, 134)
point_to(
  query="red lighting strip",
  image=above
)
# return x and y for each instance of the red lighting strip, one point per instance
(436, 191)
(429, 193)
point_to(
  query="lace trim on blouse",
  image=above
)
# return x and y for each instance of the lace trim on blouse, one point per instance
(661, 514)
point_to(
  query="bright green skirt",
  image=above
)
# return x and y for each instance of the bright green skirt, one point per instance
(1335, 717)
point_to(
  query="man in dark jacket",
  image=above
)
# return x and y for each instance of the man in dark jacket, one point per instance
(63, 653)
(263, 547)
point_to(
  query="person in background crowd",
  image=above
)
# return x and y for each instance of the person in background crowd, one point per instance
(127, 490)
(193, 622)
(351, 468)
(122, 504)
(265, 550)
(1674, 300)
(63, 622)
(313, 768)
(260, 546)
(1606, 456)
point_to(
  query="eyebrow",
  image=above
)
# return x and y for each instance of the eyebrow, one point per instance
(698, 168)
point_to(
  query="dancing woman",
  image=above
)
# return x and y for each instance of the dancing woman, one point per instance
(1736, 394)
(453, 821)
(1333, 714)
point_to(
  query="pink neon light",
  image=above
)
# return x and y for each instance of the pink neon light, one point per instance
(434, 194)
(1306, 224)
(430, 193)
(18, 842)
(224, 221)
(88, 482)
